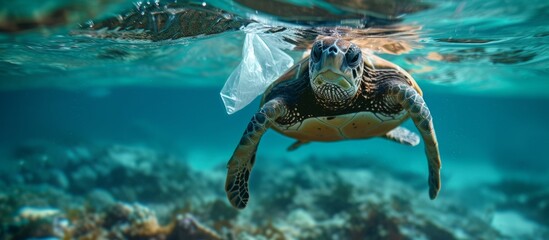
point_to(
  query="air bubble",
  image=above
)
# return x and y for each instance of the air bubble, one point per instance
(90, 23)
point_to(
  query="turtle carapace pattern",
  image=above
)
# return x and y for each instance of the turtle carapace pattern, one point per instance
(338, 92)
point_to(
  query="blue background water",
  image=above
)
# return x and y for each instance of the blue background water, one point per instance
(507, 133)
(491, 118)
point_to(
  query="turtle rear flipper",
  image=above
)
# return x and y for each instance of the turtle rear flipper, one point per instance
(241, 163)
(403, 135)
(296, 145)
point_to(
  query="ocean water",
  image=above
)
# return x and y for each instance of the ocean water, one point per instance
(111, 118)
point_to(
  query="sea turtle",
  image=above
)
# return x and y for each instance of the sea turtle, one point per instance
(338, 92)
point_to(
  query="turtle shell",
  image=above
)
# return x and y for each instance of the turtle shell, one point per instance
(369, 114)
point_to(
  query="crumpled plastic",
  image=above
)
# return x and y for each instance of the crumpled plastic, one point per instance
(262, 63)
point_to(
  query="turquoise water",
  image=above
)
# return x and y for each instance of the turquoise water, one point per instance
(69, 83)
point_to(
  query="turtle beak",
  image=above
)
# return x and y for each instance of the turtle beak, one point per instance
(330, 77)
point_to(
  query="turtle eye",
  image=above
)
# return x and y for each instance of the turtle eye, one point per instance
(353, 57)
(315, 53)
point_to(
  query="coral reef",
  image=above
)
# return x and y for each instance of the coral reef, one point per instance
(529, 198)
(38, 223)
(120, 221)
(126, 173)
(134, 192)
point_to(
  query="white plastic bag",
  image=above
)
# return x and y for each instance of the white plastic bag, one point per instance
(262, 63)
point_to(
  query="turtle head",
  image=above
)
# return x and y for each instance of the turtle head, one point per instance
(335, 69)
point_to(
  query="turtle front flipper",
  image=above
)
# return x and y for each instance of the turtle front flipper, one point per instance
(241, 163)
(403, 135)
(411, 101)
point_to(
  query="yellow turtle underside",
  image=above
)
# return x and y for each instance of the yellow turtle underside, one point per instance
(358, 125)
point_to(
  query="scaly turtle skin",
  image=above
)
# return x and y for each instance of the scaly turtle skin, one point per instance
(339, 92)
